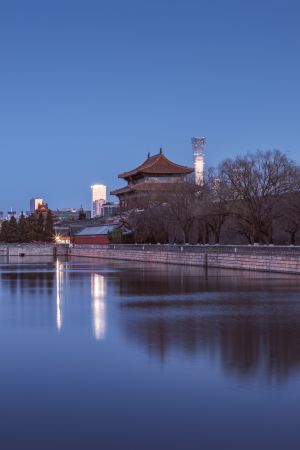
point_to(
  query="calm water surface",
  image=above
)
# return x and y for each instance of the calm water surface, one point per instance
(101, 355)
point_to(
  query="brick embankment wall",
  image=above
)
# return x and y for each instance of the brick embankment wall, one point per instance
(268, 259)
(33, 250)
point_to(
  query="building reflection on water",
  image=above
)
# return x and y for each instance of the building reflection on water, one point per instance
(244, 345)
(37, 283)
(98, 294)
(98, 300)
(249, 323)
(40, 295)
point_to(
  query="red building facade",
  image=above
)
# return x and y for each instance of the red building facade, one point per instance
(96, 239)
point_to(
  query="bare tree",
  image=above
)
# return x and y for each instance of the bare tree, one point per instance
(289, 215)
(150, 225)
(170, 216)
(254, 196)
(182, 209)
(257, 181)
(215, 204)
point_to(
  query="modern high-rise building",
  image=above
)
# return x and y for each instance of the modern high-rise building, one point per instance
(198, 146)
(34, 203)
(98, 198)
(110, 209)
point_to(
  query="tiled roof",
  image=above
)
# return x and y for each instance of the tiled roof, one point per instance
(122, 190)
(92, 231)
(158, 164)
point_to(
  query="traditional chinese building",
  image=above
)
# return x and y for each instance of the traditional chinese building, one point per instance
(150, 181)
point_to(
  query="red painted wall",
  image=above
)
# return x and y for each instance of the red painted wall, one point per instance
(101, 239)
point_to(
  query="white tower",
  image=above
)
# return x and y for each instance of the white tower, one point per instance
(198, 144)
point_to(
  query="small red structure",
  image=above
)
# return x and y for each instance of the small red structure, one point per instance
(89, 240)
(93, 235)
(42, 208)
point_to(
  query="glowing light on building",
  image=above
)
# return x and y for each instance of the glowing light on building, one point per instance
(98, 198)
(98, 292)
(198, 146)
(59, 288)
(59, 239)
(35, 203)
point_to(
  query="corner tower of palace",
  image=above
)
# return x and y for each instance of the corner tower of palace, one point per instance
(153, 177)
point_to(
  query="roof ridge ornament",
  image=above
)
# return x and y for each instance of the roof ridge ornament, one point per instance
(160, 151)
(148, 154)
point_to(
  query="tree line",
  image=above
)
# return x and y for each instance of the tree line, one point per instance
(28, 229)
(253, 198)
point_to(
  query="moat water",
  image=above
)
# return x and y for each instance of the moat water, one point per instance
(125, 356)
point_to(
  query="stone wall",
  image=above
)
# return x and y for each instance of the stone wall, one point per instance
(33, 250)
(260, 258)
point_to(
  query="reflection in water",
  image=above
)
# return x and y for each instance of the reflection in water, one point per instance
(98, 292)
(244, 343)
(168, 280)
(68, 393)
(30, 279)
(251, 325)
(248, 322)
(59, 290)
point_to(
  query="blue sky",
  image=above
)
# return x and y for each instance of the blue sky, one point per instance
(87, 88)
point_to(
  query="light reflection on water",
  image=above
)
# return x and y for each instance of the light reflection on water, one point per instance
(98, 293)
(59, 289)
(100, 354)
(98, 299)
(249, 321)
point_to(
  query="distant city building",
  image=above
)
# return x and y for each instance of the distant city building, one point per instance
(1, 215)
(42, 208)
(97, 206)
(110, 209)
(98, 199)
(34, 203)
(69, 214)
(64, 214)
(11, 214)
(153, 178)
(88, 213)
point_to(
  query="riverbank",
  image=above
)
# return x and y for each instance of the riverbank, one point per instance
(283, 259)
(7, 250)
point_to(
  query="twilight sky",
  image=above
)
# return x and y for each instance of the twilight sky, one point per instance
(89, 87)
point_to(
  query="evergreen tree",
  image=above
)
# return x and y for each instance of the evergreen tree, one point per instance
(12, 230)
(82, 214)
(49, 230)
(22, 228)
(4, 231)
(40, 227)
(115, 236)
(31, 228)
